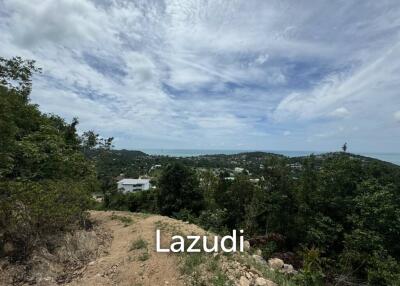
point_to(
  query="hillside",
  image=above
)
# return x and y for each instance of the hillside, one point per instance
(132, 164)
(120, 250)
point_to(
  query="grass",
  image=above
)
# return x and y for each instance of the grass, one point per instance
(144, 256)
(191, 262)
(124, 219)
(203, 270)
(220, 279)
(143, 215)
(138, 244)
(166, 227)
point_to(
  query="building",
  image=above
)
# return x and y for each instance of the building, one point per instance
(133, 185)
(238, 170)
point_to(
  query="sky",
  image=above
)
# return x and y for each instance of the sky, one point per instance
(250, 75)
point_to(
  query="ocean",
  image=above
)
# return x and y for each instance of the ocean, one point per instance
(389, 157)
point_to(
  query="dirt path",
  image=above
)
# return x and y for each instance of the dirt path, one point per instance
(132, 259)
(125, 246)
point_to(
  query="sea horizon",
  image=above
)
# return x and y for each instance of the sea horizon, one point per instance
(388, 157)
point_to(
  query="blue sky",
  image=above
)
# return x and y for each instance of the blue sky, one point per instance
(271, 75)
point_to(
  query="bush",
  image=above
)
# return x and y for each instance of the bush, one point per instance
(45, 179)
(32, 211)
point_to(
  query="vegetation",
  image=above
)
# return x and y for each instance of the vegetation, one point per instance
(336, 213)
(139, 244)
(45, 180)
(179, 191)
(336, 216)
(124, 219)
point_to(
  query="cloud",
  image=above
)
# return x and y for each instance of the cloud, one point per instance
(194, 73)
(396, 116)
(340, 112)
(66, 22)
(287, 133)
(358, 84)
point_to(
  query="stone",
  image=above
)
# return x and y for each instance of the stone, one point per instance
(258, 252)
(8, 248)
(246, 245)
(264, 282)
(248, 275)
(288, 269)
(244, 281)
(259, 259)
(275, 263)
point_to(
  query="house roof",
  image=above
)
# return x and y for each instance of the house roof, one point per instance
(133, 181)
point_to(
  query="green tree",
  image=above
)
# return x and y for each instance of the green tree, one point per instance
(45, 179)
(179, 190)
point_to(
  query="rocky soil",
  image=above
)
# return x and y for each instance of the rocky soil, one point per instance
(120, 250)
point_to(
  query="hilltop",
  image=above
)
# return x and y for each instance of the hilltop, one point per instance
(133, 163)
(120, 250)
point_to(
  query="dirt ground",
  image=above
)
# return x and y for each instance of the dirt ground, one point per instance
(120, 250)
(141, 265)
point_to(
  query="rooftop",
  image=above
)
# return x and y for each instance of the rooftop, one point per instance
(133, 181)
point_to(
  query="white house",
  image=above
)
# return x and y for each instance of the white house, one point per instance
(239, 170)
(133, 185)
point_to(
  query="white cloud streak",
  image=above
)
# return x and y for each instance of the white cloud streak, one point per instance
(210, 74)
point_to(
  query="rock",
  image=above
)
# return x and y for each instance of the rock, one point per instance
(255, 272)
(258, 252)
(244, 281)
(264, 282)
(259, 259)
(8, 249)
(288, 269)
(246, 245)
(248, 275)
(91, 263)
(275, 263)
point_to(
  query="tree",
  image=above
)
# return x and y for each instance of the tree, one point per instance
(235, 199)
(179, 190)
(45, 179)
(16, 75)
(344, 147)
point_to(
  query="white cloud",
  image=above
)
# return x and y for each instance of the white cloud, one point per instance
(287, 133)
(396, 116)
(340, 112)
(184, 73)
(66, 22)
(370, 83)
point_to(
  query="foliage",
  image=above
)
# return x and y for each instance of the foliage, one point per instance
(139, 244)
(179, 189)
(337, 212)
(45, 180)
(126, 220)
